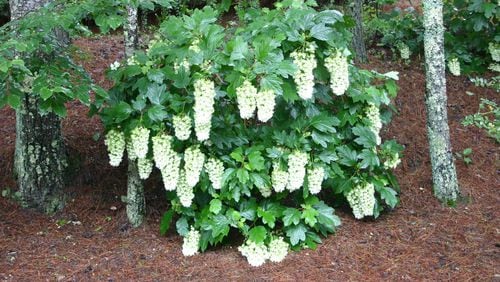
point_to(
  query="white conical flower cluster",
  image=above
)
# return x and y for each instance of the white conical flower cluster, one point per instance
(279, 178)
(392, 161)
(182, 126)
(256, 254)
(204, 95)
(215, 170)
(246, 95)
(304, 76)
(265, 105)
(139, 138)
(315, 179)
(193, 164)
(296, 170)
(184, 191)
(373, 116)
(161, 146)
(265, 191)
(404, 51)
(144, 167)
(338, 67)
(191, 243)
(115, 142)
(278, 249)
(454, 66)
(170, 173)
(184, 64)
(167, 160)
(362, 200)
(130, 151)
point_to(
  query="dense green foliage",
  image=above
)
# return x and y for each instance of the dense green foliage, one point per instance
(334, 132)
(471, 25)
(33, 62)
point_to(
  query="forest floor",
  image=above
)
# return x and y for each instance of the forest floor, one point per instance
(420, 240)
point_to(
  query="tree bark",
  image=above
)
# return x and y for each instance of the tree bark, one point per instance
(443, 169)
(356, 9)
(136, 202)
(131, 31)
(40, 156)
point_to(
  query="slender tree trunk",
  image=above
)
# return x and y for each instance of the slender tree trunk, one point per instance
(443, 169)
(136, 202)
(356, 10)
(40, 156)
(131, 31)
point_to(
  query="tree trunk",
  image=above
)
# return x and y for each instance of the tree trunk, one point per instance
(356, 9)
(443, 169)
(136, 202)
(40, 157)
(131, 32)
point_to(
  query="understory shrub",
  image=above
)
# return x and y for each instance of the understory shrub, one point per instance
(471, 32)
(258, 129)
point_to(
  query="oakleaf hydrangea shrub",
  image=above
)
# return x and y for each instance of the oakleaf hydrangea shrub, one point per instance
(284, 126)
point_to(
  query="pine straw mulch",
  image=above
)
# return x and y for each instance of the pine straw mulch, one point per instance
(420, 240)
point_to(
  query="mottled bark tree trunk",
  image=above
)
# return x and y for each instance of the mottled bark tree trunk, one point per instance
(443, 169)
(40, 157)
(131, 31)
(136, 202)
(356, 10)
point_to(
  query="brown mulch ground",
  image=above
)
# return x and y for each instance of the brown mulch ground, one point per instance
(420, 240)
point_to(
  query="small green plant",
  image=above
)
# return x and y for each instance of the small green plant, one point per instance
(62, 222)
(471, 30)
(8, 193)
(486, 118)
(465, 156)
